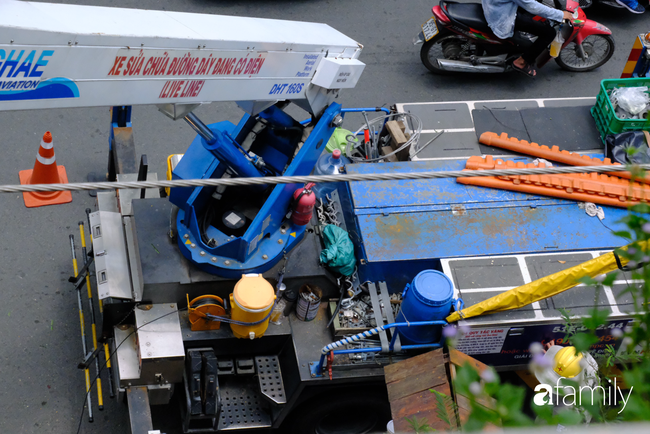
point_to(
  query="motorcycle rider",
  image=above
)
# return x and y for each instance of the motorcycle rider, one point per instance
(507, 16)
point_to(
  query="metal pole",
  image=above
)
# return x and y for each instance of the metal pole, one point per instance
(93, 324)
(83, 330)
(378, 349)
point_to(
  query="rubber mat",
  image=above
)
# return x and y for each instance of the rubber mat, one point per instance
(570, 128)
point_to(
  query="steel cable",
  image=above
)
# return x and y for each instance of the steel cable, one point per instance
(388, 176)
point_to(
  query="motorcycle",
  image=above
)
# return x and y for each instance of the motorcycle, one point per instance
(458, 39)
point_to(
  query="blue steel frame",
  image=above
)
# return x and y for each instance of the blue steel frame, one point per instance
(271, 234)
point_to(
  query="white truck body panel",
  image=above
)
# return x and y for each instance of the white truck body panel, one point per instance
(55, 55)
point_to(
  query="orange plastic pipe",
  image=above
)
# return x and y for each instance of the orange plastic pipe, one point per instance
(553, 154)
(584, 187)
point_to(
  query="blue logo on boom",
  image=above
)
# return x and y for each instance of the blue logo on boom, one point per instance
(20, 77)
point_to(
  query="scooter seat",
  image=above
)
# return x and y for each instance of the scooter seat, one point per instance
(470, 14)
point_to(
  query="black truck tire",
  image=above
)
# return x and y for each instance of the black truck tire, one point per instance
(347, 412)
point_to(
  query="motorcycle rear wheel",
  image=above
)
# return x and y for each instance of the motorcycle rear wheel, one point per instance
(432, 50)
(599, 49)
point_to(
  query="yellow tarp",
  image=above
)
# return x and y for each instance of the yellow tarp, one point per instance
(544, 287)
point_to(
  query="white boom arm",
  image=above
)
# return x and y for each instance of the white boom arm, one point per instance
(55, 55)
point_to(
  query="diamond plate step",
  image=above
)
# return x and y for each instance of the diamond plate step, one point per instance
(270, 378)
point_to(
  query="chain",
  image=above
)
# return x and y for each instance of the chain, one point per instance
(327, 214)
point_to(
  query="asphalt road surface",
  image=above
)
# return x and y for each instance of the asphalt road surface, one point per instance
(41, 391)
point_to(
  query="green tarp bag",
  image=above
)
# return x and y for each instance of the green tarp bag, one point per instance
(339, 250)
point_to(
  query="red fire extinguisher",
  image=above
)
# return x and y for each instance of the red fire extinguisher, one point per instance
(303, 205)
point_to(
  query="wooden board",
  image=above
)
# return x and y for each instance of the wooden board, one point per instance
(459, 359)
(405, 368)
(421, 406)
(464, 407)
(385, 150)
(417, 381)
(398, 138)
(409, 383)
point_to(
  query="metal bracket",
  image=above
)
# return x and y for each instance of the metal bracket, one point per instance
(139, 410)
(379, 317)
(313, 370)
(388, 310)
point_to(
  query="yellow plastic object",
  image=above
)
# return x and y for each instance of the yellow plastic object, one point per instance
(567, 362)
(172, 161)
(544, 287)
(199, 307)
(251, 301)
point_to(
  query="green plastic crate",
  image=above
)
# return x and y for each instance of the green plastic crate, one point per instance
(603, 111)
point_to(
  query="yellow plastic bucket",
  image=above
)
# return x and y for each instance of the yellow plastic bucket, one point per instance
(251, 301)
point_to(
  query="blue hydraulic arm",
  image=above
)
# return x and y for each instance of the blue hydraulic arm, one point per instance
(223, 146)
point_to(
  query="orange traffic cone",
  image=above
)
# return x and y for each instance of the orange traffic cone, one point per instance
(45, 172)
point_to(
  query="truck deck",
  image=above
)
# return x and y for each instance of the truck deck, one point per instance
(486, 241)
(489, 241)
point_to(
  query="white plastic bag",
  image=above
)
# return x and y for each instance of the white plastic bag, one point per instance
(631, 99)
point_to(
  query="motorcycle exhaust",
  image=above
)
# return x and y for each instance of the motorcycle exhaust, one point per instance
(460, 66)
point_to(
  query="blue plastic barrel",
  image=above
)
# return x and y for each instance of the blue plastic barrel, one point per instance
(427, 298)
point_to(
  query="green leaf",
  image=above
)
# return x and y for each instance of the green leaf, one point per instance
(544, 413)
(609, 279)
(568, 417)
(596, 318)
(510, 401)
(473, 424)
(587, 280)
(641, 208)
(418, 425)
(582, 341)
(465, 375)
(445, 408)
(623, 234)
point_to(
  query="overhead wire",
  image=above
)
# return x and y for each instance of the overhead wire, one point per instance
(343, 177)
